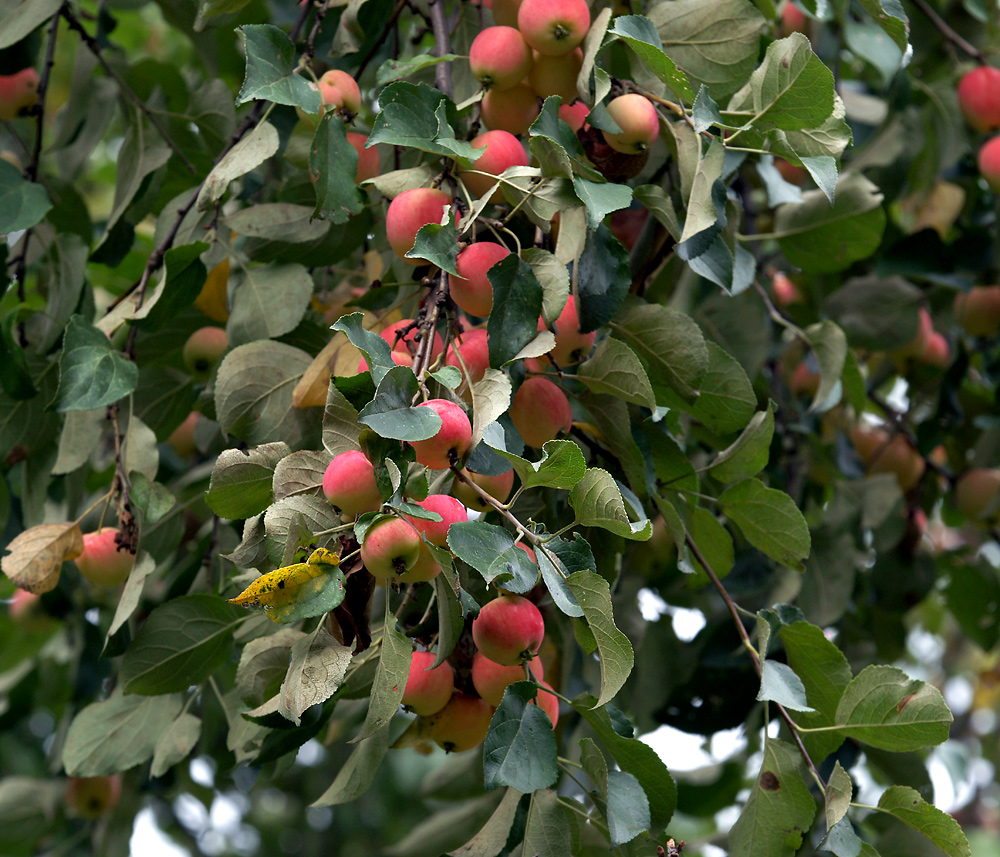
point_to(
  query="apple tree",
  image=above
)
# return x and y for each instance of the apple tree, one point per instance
(382, 382)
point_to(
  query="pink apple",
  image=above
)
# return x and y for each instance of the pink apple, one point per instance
(556, 75)
(508, 630)
(989, 163)
(498, 487)
(461, 725)
(450, 442)
(503, 150)
(451, 512)
(540, 411)
(101, 562)
(553, 27)
(491, 679)
(474, 349)
(340, 90)
(349, 484)
(368, 160)
(471, 289)
(639, 121)
(391, 548)
(408, 213)
(17, 92)
(978, 310)
(428, 690)
(979, 97)
(499, 57)
(571, 345)
(574, 115)
(512, 110)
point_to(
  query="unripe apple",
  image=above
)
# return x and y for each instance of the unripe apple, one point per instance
(503, 150)
(202, 351)
(474, 349)
(556, 75)
(340, 90)
(882, 454)
(368, 161)
(978, 310)
(491, 679)
(451, 441)
(499, 57)
(505, 12)
(508, 630)
(101, 562)
(540, 411)
(181, 440)
(977, 493)
(553, 27)
(92, 797)
(391, 548)
(979, 97)
(639, 121)
(213, 297)
(451, 512)
(349, 484)
(408, 212)
(471, 289)
(571, 345)
(989, 163)
(548, 702)
(424, 569)
(428, 690)
(461, 725)
(498, 487)
(574, 115)
(17, 92)
(512, 110)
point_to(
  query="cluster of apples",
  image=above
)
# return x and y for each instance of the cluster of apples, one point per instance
(979, 100)
(508, 633)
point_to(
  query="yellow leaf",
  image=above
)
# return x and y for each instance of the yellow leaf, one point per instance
(36, 555)
(284, 586)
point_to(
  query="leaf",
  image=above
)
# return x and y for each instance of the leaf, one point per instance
(300, 473)
(491, 551)
(727, 401)
(317, 669)
(715, 544)
(341, 428)
(377, 352)
(410, 116)
(908, 806)
(182, 282)
(610, 416)
(259, 145)
(175, 744)
(22, 203)
(891, 17)
(520, 746)
(792, 89)
(241, 481)
(290, 524)
(617, 659)
(298, 591)
(390, 678)
(91, 373)
(491, 397)
(554, 574)
(601, 198)
(780, 684)
(117, 734)
(614, 369)
(396, 69)
(561, 465)
(627, 808)
(747, 455)
(553, 275)
(490, 840)
(639, 33)
(517, 304)
(22, 17)
(252, 550)
(144, 566)
(603, 279)
(270, 73)
(438, 244)
(358, 773)
(839, 792)
(391, 415)
(780, 811)
(333, 164)
(546, 830)
(769, 520)
(597, 502)
(877, 313)
(34, 557)
(268, 302)
(829, 344)
(887, 709)
(181, 643)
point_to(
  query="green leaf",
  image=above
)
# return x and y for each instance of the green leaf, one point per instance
(769, 520)
(278, 221)
(617, 658)
(639, 33)
(627, 808)
(183, 280)
(887, 709)
(151, 499)
(490, 840)
(520, 746)
(839, 791)
(747, 455)
(517, 304)
(317, 669)
(358, 773)
(241, 484)
(546, 830)
(780, 684)
(612, 420)
(248, 154)
(603, 279)
(22, 203)
(891, 17)
(409, 116)
(554, 575)
(491, 551)
(437, 244)
(706, 199)
(615, 369)
(390, 678)
(661, 206)
(175, 744)
(780, 811)
(390, 413)
(562, 465)
(601, 198)
(300, 473)
(21, 17)
(333, 163)
(877, 313)
(715, 544)
(270, 71)
(341, 428)
(792, 89)
(829, 344)
(553, 276)
(972, 596)
(396, 69)
(597, 502)
(117, 734)
(377, 351)
(181, 643)
(91, 373)
(451, 622)
(939, 827)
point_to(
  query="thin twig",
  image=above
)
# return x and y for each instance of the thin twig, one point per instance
(949, 33)
(368, 57)
(442, 46)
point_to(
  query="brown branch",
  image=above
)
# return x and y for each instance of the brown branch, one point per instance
(321, 10)
(948, 32)
(442, 46)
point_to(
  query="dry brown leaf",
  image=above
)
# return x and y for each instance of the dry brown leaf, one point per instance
(36, 556)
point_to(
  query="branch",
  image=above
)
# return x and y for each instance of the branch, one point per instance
(442, 45)
(948, 32)
(368, 57)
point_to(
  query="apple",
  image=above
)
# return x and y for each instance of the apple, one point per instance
(461, 725)
(574, 115)
(428, 690)
(548, 702)
(424, 569)
(101, 562)
(471, 289)
(884, 454)
(790, 172)
(181, 440)
(17, 92)
(391, 548)
(368, 160)
(92, 797)
(213, 297)
(978, 310)
(979, 97)
(977, 493)
(936, 351)
(340, 90)
(553, 27)
(26, 611)
(349, 484)
(491, 679)
(556, 75)
(450, 442)
(508, 630)
(405, 336)
(451, 511)
(804, 381)
(784, 290)
(505, 12)
(571, 345)
(498, 487)
(499, 57)
(793, 19)
(916, 346)
(989, 163)
(639, 121)
(408, 213)
(202, 351)
(474, 349)
(503, 150)
(512, 110)
(540, 411)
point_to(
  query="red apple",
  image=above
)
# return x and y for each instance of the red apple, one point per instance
(979, 97)
(408, 213)
(424, 569)
(540, 411)
(989, 163)
(639, 121)
(499, 57)
(474, 349)
(491, 679)
(428, 690)
(471, 289)
(498, 487)
(17, 92)
(181, 439)
(450, 442)
(512, 110)
(884, 454)
(571, 345)
(349, 484)
(978, 310)
(556, 75)
(793, 19)
(101, 562)
(574, 115)
(451, 512)
(553, 27)
(936, 351)
(391, 548)
(405, 337)
(548, 702)
(508, 630)
(368, 160)
(340, 90)
(503, 150)
(784, 290)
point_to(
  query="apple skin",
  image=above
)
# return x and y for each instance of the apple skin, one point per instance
(213, 298)
(540, 411)
(548, 702)
(451, 511)
(989, 163)
(793, 20)
(553, 27)
(101, 562)
(491, 679)
(17, 92)
(391, 548)
(979, 97)
(428, 690)
(508, 630)
(639, 121)
(882, 454)
(93, 797)
(977, 493)
(503, 150)
(451, 441)
(936, 351)
(471, 289)
(202, 351)
(349, 484)
(556, 75)
(461, 725)
(409, 341)
(181, 439)
(512, 110)
(340, 90)
(574, 115)
(474, 348)
(499, 57)
(571, 345)
(498, 487)
(368, 160)
(408, 212)
(784, 290)
(978, 310)
(423, 570)
(26, 611)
